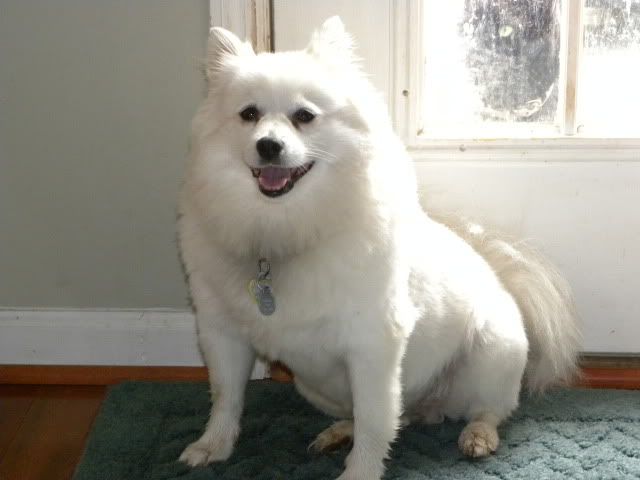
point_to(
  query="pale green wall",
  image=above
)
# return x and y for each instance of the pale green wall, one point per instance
(95, 103)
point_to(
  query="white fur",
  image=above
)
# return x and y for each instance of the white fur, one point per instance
(381, 311)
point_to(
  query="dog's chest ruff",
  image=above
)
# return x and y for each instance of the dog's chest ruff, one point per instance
(302, 322)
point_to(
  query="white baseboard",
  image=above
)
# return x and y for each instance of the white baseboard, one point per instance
(101, 337)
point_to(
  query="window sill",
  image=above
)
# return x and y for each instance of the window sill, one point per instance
(575, 148)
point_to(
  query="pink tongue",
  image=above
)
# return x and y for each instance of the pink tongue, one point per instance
(273, 178)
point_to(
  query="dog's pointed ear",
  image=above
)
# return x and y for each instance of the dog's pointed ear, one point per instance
(331, 42)
(223, 44)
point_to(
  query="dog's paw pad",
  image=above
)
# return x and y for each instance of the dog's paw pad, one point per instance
(478, 440)
(334, 437)
(201, 453)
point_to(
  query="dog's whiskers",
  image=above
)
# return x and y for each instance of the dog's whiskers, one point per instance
(320, 154)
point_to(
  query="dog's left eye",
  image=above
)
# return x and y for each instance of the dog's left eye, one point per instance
(303, 116)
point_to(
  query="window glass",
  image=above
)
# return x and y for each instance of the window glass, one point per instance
(609, 80)
(491, 68)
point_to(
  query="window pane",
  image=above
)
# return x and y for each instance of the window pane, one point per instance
(491, 67)
(609, 82)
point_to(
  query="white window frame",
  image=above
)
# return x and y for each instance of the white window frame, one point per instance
(407, 60)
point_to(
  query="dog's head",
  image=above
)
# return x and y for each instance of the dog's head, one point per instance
(283, 141)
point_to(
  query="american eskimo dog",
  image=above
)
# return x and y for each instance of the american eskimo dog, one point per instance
(304, 241)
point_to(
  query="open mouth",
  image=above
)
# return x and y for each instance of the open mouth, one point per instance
(276, 181)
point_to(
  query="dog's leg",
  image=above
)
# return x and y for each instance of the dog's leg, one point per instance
(230, 361)
(376, 390)
(337, 435)
(486, 386)
(489, 385)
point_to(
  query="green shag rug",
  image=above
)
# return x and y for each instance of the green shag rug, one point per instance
(143, 427)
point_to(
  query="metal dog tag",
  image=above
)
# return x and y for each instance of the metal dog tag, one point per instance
(265, 299)
(261, 290)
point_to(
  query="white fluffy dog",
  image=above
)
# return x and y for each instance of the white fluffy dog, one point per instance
(304, 241)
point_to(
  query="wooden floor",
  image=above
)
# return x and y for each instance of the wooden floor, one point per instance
(43, 429)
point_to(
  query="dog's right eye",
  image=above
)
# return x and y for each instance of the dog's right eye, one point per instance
(250, 114)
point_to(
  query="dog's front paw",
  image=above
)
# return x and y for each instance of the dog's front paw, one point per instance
(478, 440)
(206, 451)
(361, 466)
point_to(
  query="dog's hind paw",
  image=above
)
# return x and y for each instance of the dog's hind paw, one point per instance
(478, 439)
(334, 437)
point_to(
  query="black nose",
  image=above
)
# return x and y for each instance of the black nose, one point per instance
(269, 148)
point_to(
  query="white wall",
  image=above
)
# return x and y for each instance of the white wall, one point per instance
(583, 213)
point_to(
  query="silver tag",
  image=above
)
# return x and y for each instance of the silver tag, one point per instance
(260, 289)
(265, 299)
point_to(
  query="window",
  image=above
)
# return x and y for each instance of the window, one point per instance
(609, 100)
(523, 69)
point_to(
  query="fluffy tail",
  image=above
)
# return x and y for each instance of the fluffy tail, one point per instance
(544, 298)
